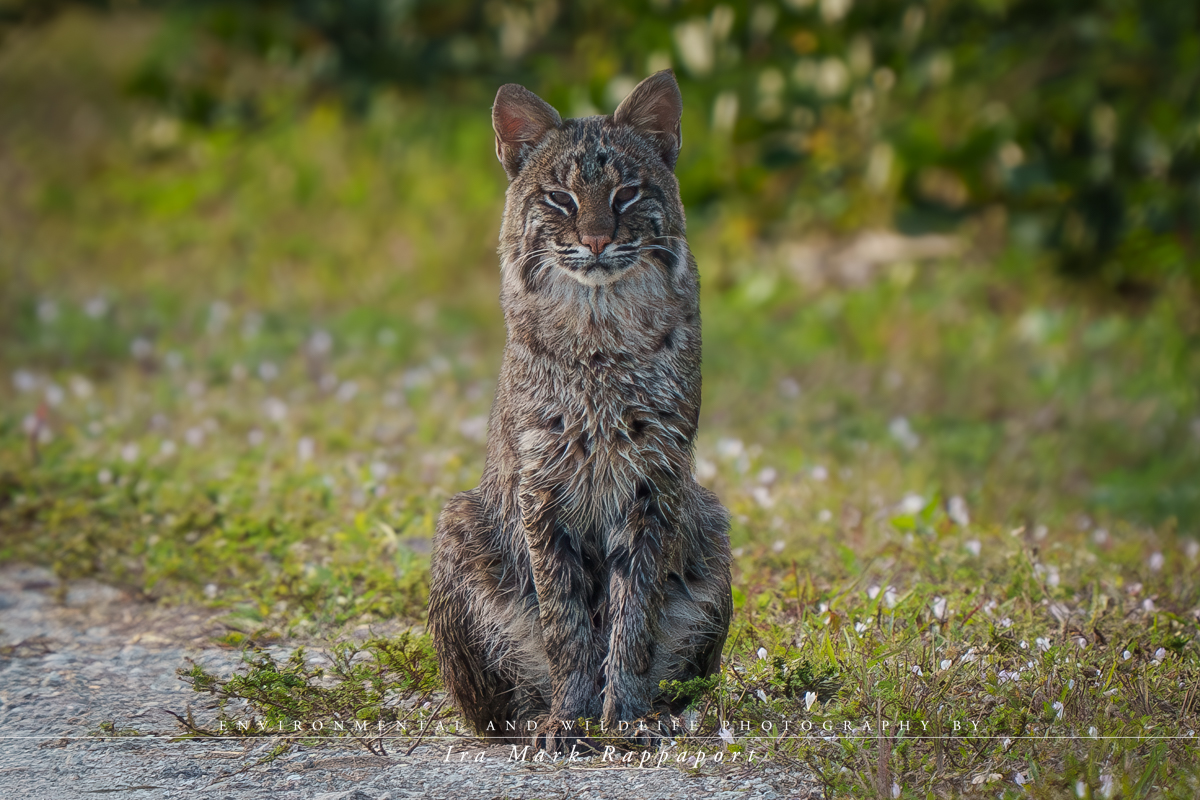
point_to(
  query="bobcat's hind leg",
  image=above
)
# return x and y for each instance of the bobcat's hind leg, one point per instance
(475, 624)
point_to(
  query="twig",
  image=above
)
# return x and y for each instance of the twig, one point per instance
(432, 716)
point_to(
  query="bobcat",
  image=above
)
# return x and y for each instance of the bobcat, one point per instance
(588, 565)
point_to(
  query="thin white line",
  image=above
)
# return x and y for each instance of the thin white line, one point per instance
(266, 734)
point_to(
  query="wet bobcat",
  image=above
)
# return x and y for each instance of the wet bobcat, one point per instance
(588, 565)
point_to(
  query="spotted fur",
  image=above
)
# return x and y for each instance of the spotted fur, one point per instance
(588, 565)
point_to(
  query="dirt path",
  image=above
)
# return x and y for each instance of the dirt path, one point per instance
(77, 671)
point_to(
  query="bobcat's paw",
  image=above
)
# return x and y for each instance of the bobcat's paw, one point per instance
(560, 736)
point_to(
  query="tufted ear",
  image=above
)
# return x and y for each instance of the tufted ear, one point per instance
(521, 119)
(653, 109)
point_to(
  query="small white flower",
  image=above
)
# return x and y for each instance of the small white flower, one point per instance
(819, 473)
(1093, 732)
(916, 670)
(104, 476)
(1192, 550)
(1100, 536)
(1126, 655)
(1004, 622)
(81, 387)
(730, 449)
(778, 546)
(762, 496)
(767, 476)
(895, 790)
(911, 504)
(1156, 561)
(1080, 789)
(268, 371)
(761, 695)
(54, 394)
(320, 343)
(1043, 644)
(938, 607)
(167, 448)
(945, 663)
(305, 449)
(379, 470)
(860, 628)
(902, 432)
(1071, 683)
(1160, 653)
(974, 547)
(809, 699)
(1058, 709)
(96, 308)
(1106, 785)
(824, 515)
(255, 437)
(726, 735)
(24, 380)
(1148, 604)
(1019, 779)
(1004, 745)
(890, 598)
(210, 591)
(956, 509)
(194, 436)
(762, 653)
(873, 592)
(347, 391)
(1024, 645)
(275, 409)
(129, 452)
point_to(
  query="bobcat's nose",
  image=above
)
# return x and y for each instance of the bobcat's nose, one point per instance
(596, 243)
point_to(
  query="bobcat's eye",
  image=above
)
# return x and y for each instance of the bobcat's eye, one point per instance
(562, 199)
(624, 195)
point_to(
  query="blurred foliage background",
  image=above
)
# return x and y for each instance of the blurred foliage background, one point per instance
(1071, 125)
(248, 271)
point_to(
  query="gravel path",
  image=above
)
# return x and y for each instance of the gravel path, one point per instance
(75, 668)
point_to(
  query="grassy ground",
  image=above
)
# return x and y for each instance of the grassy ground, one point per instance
(247, 369)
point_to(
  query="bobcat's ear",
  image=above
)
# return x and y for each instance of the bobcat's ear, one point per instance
(520, 119)
(653, 109)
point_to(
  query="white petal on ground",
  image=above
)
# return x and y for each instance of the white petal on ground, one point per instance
(957, 511)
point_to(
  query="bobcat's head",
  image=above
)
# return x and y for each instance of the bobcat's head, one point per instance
(595, 198)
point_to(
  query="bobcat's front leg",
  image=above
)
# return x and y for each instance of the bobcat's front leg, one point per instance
(562, 590)
(635, 599)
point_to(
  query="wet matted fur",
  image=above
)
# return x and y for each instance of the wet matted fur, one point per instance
(588, 566)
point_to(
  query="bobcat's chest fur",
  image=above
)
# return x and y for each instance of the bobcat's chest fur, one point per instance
(603, 392)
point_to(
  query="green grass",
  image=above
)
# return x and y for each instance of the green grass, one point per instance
(246, 369)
